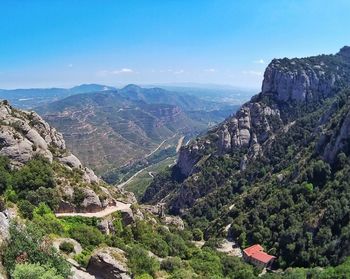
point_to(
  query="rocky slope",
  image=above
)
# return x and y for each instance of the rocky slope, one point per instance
(25, 135)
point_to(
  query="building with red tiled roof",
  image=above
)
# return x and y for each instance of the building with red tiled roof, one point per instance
(255, 254)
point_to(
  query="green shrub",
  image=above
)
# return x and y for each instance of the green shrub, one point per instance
(140, 263)
(86, 235)
(83, 258)
(67, 247)
(35, 174)
(46, 219)
(144, 276)
(26, 243)
(35, 271)
(26, 209)
(197, 235)
(171, 264)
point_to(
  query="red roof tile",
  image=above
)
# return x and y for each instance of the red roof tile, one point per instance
(253, 249)
(262, 257)
(257, 252)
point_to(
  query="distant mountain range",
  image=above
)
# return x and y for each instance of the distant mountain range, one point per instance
(110, 128)
(29, 98)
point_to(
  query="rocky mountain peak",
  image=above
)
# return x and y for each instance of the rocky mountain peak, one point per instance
(306, 79)
(345, 52)
(287, 84)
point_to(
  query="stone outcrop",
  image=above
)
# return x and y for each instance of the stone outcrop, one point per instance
(306, 79)
(109, 263)
(23, 135)
(287, 84)
(337, 142)
(5, 218)
(252, 125)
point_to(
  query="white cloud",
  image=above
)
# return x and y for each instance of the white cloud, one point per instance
(104, 73)
(179, 72)
(260, 61)
(210, 70)
(253, 73)
(123, 71)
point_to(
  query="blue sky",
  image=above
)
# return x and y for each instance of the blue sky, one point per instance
(64, 43)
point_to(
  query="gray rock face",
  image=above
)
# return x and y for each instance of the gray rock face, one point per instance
(306, 79)
(24, 135)
(249, 128)
(286, 81)
(108, 263)
(91, 202)
(71, 161)
(4, 227)
(5, 218)
(338, 142)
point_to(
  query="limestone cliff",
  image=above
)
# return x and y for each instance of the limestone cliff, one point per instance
(288, 85)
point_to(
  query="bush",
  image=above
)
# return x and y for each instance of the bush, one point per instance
(86, 235)
(2, 204)
(26, 243)
(46, 219)
(35, 271)
(26, 209)
(159, 247)
(67, 247)
(83, 258)
(35, 174)
(171, 264)
(140, 262)
(197, 235)
(144, 276)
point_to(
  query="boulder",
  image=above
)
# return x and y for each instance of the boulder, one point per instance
(108, 263)
(175, 221)
(71, 161)
(91, 202)
(4, 227)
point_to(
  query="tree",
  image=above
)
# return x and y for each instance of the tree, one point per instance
(140, 262)
(26, 244)
(67, 247)
(35, 174)
(35, 271)
(197, 235)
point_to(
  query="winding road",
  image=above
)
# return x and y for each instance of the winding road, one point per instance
(120, 206)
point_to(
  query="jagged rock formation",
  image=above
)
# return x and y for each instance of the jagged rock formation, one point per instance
(25, 135)
(302, 82)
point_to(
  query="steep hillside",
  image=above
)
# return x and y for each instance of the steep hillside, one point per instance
(276, 173)
(108, 129)
(55, 175)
